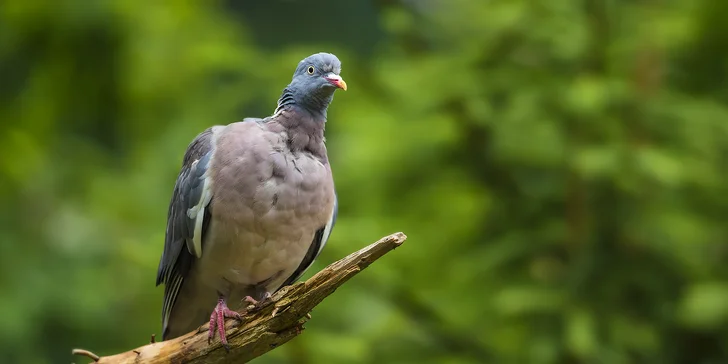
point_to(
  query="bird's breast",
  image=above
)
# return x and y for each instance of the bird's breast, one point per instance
(265, 215)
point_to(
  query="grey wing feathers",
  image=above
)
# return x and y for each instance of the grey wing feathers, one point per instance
(317, 245)
(187, 219)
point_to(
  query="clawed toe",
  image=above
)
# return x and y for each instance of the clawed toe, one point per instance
(217, 321)
(257, 305)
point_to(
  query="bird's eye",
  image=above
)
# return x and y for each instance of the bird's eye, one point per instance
(310, 70)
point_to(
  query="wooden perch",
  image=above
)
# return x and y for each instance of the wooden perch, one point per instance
(263, 330)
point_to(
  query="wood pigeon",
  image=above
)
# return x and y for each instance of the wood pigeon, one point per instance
(253, 206)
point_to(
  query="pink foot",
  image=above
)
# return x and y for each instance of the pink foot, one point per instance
(217, 320)
(257, 305)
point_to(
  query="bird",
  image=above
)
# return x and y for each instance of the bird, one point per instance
(253, 206)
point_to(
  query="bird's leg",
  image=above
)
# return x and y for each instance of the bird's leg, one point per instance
(217, 320)
(257, 305)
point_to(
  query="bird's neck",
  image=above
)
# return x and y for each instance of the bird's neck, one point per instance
(305, 130)
(315, 104)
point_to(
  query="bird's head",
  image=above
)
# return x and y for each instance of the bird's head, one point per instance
(314, 82)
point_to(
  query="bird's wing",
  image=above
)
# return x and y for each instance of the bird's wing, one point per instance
(317, 245)
(187, 218)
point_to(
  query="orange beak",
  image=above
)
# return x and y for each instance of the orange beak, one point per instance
(336, 80)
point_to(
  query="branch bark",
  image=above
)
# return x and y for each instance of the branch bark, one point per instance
(261, 331)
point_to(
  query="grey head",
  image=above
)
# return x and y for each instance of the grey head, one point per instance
(313, 84)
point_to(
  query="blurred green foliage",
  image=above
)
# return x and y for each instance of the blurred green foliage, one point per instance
(559, 168)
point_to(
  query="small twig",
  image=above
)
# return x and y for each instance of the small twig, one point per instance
(86, 353)
(153, 339)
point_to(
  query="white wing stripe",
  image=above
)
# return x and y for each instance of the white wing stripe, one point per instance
(200, 207)
(327, 232)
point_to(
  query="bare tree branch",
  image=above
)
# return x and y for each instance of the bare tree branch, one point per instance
(261, 331)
